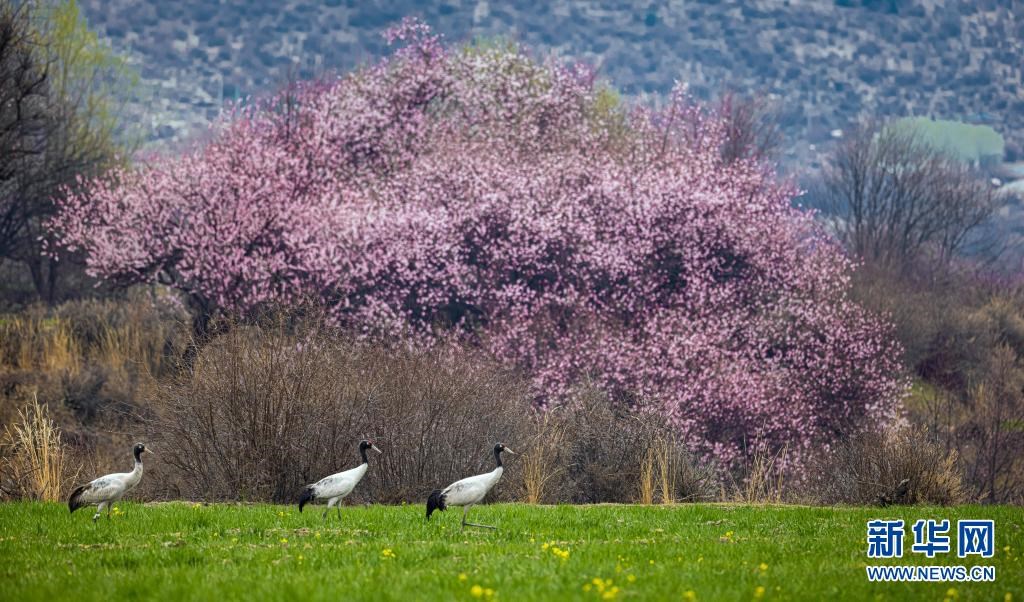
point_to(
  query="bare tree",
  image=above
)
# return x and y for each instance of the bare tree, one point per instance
(894, 198)
(752, 127)
(61, 94)
(24, 121)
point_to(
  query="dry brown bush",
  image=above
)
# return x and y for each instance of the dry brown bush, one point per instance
(898, 467)
(269, 408)
(596, 451)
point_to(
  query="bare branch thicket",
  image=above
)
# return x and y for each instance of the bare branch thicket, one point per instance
(901, 467)
(599, 451)
(992, 435)
(268, 408)
(894, 198)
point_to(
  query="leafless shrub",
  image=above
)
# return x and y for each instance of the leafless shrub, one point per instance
(605, 449)
(898, 467)
(269, 408)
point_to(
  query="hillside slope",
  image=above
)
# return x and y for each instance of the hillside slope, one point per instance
(828, 62)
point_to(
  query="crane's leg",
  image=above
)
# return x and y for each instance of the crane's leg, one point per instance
(465, 511)
(330, 504)
(99, 510)
(338, 506)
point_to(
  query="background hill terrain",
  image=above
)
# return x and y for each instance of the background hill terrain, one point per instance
(828, 62)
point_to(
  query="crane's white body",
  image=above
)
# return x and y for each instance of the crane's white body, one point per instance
(107, 490)
(471, 490)
(335, 487)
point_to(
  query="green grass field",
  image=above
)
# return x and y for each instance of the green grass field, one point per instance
(181, 551)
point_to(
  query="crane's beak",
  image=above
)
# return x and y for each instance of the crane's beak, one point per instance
(374, 448)
(148, 451)
(509, 451)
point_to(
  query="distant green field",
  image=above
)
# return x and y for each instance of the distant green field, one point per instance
(965, 141)
(181, 551)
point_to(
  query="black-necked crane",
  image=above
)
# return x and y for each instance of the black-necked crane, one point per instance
(468, 491)
(335, 487)
(106, 491)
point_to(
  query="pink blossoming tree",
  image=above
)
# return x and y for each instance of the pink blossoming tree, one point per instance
(518, 207)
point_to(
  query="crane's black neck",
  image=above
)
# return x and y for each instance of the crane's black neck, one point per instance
(362, 452)
(497, 456)
(138, 455)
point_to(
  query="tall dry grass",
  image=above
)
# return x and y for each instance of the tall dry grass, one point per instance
(663, 468)
(764, 479)
(593, 450)
(540, 467)
(123, 338)
(670, 469)
(36, 463)
(36, 343)
(647, 478)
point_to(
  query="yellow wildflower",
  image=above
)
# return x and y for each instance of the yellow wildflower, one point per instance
(387, 553)
(476, 591)
(759, 592)
(463, 577)
(690, 595)
(631, 578)
(763, 566)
